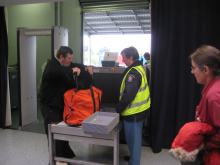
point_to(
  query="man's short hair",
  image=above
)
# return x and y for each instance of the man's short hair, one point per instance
(64, 50)
(146, 54)
(131, 52)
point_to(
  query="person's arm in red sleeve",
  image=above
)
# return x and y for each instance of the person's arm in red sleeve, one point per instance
(214, 114)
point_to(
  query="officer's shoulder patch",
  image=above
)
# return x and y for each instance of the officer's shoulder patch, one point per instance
(130, 77)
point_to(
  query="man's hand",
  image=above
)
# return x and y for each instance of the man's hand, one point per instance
(76, 70)
(89, 69)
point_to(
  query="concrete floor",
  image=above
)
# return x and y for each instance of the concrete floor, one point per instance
(28, 148)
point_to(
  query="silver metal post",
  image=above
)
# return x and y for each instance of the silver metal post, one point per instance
(116, 147)
(51, 146)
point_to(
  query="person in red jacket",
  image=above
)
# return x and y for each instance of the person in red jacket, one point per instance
(206, 68)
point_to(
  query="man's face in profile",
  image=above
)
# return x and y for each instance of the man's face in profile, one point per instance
(66, 61)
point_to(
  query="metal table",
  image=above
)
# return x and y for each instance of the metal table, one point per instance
(67, 133)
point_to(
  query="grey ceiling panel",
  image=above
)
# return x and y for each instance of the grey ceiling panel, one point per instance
(113, 5)
(116, 16)
(118, 22)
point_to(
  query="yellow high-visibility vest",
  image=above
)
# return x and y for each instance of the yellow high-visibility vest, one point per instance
(148, 62)
(142, 100)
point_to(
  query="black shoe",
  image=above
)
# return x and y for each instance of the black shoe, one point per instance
(127, 158)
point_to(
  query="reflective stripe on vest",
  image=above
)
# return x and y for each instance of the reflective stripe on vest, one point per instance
(148, 62)
(142, 100)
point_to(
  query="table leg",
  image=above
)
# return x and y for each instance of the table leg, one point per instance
(116, 147)
(52, 150)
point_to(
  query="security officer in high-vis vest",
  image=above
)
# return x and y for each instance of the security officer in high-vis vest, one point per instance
(134, 101)
(147, 57)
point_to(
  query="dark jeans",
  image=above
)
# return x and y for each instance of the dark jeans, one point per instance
(51, 116)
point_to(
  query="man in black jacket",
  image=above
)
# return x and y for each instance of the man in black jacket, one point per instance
(57, 79)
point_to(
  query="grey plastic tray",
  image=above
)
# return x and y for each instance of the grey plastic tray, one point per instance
(100, 122)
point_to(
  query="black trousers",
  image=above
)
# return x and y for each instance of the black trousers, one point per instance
(51, 116)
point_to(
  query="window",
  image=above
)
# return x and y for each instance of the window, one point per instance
(112, 31)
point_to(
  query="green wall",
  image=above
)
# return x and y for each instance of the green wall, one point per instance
(43, 15)
(71, 18)
(30, 16)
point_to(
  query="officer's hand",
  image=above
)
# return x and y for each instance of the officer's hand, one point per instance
(89, 69)
(76, 70)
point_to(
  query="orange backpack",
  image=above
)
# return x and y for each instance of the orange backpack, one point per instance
(80, 104)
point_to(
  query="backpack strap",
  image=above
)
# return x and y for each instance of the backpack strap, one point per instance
(72, 125)
(93, 98)
(66, 118)
(99, 101)
(98, 96)
(77, 85)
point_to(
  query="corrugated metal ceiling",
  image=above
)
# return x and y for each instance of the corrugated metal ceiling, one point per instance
(116, 16)
(118, 22)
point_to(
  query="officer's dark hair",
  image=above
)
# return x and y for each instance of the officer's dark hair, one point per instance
(131, 52)
(208, 56)
(64, 50)
(146, 54)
